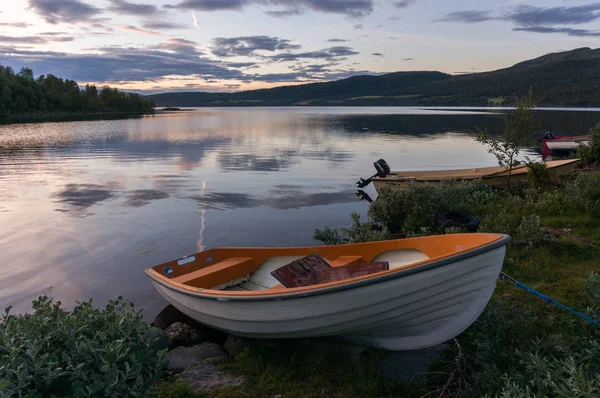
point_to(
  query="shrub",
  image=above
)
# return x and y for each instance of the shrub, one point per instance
(356, 233)
(84, 353)
(582, 193)
(413, 208)
(590, 154)
(538, 174)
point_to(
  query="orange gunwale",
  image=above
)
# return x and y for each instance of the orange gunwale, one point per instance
(438, 248)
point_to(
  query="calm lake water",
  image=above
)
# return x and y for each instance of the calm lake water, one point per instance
(86, 206)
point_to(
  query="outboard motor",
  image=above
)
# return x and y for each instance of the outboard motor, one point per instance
(383, 170)
(548, 136)
(364, 196)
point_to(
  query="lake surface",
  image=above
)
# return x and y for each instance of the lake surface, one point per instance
(85, 207)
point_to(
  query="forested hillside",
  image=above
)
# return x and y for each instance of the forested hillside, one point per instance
(570, 78)
(22, 97)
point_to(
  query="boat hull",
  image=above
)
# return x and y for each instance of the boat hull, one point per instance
(419, 310)
(565, 144)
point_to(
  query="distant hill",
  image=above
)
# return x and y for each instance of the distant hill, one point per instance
(570, 78)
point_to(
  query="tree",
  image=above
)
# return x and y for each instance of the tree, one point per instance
(22, 95)
(26, 73)
(520, 128)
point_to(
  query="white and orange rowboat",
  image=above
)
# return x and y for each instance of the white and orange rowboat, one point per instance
(435, 287)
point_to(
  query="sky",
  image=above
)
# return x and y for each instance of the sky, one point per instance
(232, 45)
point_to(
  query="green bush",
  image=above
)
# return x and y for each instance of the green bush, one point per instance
(582, 193)
(590, 154)
(413, 208)
(356, 233)
(538, 174)
(84, 353)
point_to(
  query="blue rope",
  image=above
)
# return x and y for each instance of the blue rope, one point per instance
(518, 284)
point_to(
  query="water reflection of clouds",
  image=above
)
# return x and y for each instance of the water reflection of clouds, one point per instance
(280, 199)
(226, 200)
(79, 197)
(229, 161)
(280, 160)
(142, 197)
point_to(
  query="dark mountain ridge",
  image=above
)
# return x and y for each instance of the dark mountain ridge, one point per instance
(570, 78)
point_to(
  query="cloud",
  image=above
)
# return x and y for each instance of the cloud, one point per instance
(242, 64)
(378, 54)
(211, 5)
(469, 16)
(116, 64)
(248, 45)
(178, 45)
(328, 54)
(16, 24)
(280, 77)
(334, 40)
(404, 3)
(568, 31)
(286, 13)
(124, 7)
(173, 57)
(358, 26)
(160, 25)
(40, 39)
(132, 28)
(23, 40)
(283, 8)
(524, 15)
(63, 11)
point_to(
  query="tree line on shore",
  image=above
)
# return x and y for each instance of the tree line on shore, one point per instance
(21, 94)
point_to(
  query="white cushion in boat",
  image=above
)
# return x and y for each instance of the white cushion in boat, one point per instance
(401, 257)
(261, 278)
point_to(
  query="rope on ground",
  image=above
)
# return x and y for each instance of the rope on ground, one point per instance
(518, 284)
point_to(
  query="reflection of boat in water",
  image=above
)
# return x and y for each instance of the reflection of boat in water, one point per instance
(564, 143)
(493, 176)
(431, 289)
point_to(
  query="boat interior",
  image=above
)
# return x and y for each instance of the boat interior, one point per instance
(248, 270)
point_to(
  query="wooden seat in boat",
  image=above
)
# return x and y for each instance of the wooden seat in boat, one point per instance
(343, 261)
(213, 275)
(401, 257)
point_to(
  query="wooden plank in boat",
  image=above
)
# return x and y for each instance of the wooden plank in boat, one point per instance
(352, 271)
(302, 272)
